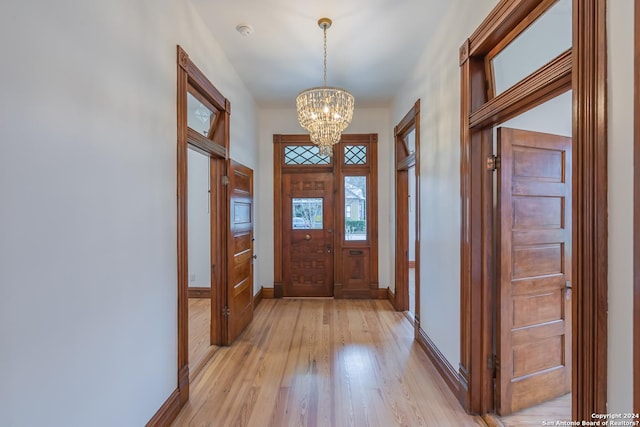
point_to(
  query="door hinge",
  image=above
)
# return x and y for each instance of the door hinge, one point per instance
(493, 364)
(493, 163)
(225, 180)
(225, 311)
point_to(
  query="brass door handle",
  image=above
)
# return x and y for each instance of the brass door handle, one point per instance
(307, 237)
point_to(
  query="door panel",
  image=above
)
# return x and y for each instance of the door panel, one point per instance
(308, 221)
(240, 284)
(534, 316)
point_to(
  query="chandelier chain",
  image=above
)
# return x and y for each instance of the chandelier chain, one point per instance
(324, 27)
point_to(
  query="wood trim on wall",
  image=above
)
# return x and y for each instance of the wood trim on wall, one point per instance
(257, 298)
(167, 412)
(444, 368)
(588, 80)
(183, 262)
(403, 161)
(199, 292)
(590, 223)
(391, 296)
(263, 293)
(636, 211)
(189, 77)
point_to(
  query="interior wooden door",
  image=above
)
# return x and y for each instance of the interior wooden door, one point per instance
(534, 294)
(308, 238)
(239, 309)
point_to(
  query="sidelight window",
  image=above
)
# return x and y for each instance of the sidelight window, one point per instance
(355, 202)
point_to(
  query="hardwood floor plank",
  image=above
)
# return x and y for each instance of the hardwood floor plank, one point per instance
(323, 362)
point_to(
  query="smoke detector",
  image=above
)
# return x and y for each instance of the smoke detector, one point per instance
(244, 29)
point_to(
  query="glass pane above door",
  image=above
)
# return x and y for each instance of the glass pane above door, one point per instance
(545, 39)
(199, 116)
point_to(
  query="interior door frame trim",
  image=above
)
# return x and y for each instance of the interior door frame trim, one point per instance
(588, 82)
(191, 78)
(411, 121)
(636, 210)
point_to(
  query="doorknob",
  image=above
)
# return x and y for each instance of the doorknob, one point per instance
(329, 249)
(307, 237)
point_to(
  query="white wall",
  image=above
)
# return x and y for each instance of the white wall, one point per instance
(553, 116)
(198, 219)
(436, 81)
(88, 209)
(284, 121)
(620, 160)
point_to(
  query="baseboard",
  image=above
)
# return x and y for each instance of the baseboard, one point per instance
(444, 368)
(167, 412)
(257, 298)
(278, 290)
(391, 297)
(199, 292)
(381, 293)
(263, 293)
(492, 420)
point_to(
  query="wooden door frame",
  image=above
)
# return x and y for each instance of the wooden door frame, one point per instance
(190, 78)
(584, 70)
(403, 161)
(336, 167)
(636, 211)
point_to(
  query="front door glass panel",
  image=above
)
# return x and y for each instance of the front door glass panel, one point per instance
(307, 213)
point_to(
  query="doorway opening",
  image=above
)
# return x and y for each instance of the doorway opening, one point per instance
(407, 256)
(533, 286)
(326, 218)
(498, 316)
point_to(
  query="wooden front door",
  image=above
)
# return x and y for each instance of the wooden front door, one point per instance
(239, 309)
(308, 222)
(534, 266)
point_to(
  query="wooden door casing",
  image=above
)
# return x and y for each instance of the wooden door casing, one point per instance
(534, 262)
(308, 253)
(239, 312)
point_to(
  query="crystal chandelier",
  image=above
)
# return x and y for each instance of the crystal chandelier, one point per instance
(325, 111)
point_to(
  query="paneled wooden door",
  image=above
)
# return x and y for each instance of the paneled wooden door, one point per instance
(534, 266)
(239, 309)
(308, 213)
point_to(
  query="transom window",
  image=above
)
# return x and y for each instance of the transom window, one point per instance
(304, 155)
(355, 154)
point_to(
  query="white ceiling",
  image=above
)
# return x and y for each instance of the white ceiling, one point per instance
(372, 44)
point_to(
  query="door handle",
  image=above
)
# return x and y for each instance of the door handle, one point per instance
(329, 249)
(307, 237)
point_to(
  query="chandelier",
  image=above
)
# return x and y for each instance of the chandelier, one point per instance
(325, 111)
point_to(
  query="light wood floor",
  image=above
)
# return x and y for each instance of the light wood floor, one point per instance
(554, 410)
(199, 331)
(323, 363)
